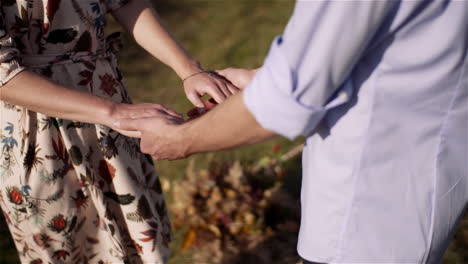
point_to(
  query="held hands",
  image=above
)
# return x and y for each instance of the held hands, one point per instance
(161, 136)
(121, 111)
(162, 131)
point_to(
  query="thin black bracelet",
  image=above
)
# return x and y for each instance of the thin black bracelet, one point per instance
(190, 76)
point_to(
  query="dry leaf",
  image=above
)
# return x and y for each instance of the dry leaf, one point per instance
(189, 239)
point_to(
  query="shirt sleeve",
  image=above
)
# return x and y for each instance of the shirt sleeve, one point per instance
(115, 4)
(306, 72)
(9, 64)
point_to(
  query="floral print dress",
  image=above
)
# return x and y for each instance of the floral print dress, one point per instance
(73, 192)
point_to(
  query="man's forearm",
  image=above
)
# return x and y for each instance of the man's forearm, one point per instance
(139, 18)
(40, 95)
(227, 126)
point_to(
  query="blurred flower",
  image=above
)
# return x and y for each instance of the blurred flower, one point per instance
(276, 148)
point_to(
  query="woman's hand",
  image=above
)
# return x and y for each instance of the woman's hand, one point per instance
(135, 111)
(239, 77)
(139, 18)
(205, 82)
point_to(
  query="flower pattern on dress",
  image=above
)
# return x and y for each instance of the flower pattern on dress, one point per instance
(73, 192)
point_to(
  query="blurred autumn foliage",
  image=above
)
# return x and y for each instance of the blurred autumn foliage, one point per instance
(230, 209)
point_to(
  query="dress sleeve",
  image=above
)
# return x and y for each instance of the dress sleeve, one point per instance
(307, 71)
(9, 64)
(115, 4)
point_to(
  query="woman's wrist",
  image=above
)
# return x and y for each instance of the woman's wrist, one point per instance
(106, 113)
(188, 68)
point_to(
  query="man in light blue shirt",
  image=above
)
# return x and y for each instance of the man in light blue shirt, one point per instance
(380, 90)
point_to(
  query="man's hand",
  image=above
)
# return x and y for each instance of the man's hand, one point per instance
(239, 77)
(161, 136)
(133, 111)
(226, 126)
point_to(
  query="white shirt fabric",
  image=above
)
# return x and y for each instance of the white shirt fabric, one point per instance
(380, 91)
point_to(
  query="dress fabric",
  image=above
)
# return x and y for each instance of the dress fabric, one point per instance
(73, 192)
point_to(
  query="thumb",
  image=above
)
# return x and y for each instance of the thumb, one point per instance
(132, 134)
(195, 99)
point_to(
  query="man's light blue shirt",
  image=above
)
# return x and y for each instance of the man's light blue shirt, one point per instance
(380, 91)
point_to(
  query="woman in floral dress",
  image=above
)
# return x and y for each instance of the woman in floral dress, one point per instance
(78, 191)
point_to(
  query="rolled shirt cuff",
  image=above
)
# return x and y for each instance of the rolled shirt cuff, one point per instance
(269, 97)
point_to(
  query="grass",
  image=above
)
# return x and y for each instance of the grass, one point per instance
(231, 33)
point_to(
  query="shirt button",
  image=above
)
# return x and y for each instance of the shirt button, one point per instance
(280, 40)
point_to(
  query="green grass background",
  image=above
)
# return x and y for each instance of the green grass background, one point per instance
(220, 33)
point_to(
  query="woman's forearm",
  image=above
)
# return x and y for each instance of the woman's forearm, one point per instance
(38, 94)
(139, 18)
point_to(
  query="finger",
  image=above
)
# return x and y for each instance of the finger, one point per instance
(160, 111)
(148, 110)
(141, 110)
(132, 134)
(223, 87)
(169, 111)
(217, 95)
(195, 99)
(234, 89)
(223, 73)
